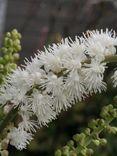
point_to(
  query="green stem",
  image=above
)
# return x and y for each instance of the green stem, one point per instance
(108, 59)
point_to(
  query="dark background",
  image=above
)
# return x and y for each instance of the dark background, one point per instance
(46, 21)
(42, 22)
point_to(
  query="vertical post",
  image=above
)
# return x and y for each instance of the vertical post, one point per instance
(3, 7)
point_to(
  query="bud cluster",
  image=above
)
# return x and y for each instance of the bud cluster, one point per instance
(81, 143)
(9, 53)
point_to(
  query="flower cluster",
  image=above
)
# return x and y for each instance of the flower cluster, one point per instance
(55, 79)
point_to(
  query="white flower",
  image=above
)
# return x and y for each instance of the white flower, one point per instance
(63, 49)
(72, 64)
(93, 76)
(74, 86)
(18, 95)
(95, 49)
(114, 79)
(27, 123)
(12, 94)
(19, 138)
(50, 61)
(42, 107)
(19, 79)
(53, 85)
(78, 48)
(101, 43)
(60, 102)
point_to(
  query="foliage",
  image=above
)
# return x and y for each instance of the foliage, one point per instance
(81, 143)
(9, 53)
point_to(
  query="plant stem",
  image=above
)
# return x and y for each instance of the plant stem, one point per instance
(108, 59)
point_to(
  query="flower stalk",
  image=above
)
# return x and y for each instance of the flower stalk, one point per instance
(12, 114)
(54, 80)
(81, 143)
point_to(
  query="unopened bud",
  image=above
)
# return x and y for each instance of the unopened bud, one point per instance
(4, 153)
(58, 153)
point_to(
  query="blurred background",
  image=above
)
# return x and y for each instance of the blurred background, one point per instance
(42, 22)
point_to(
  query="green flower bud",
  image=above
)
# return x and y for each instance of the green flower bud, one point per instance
(19, 36)
(7, 58)
(4, 50)
(114, 113)
(70, 143)
(10, 50)
(16, 42)
(14, 34)
(111, 129)
(89, 152)
(72, 153)
(1, 67)
(96, 142)
(66, 150)
(87, 131)
(11, 66)
(4, 144)
(8, 34)
(84, 151)
(14, 31)
(18, 48)
(92, 123)
(4, 153)
(2, 61)
(16, 56)
(58, 153)
(101, 122)
(6, 41)
(79, 137)
(103, 141)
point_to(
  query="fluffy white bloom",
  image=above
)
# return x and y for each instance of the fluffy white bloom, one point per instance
(19, 138)
(74, 86)
(19, 78)
(27, 123)
(53, 85)
(78, 48)
(72, 64)
(114, 79)
(60, 101)
(93, 76)
(13, 95)
(42, 108)
(63, 49)
(100, 43)
(95, 49)
(50, 61)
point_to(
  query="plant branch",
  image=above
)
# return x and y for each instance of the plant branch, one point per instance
(81, 143)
